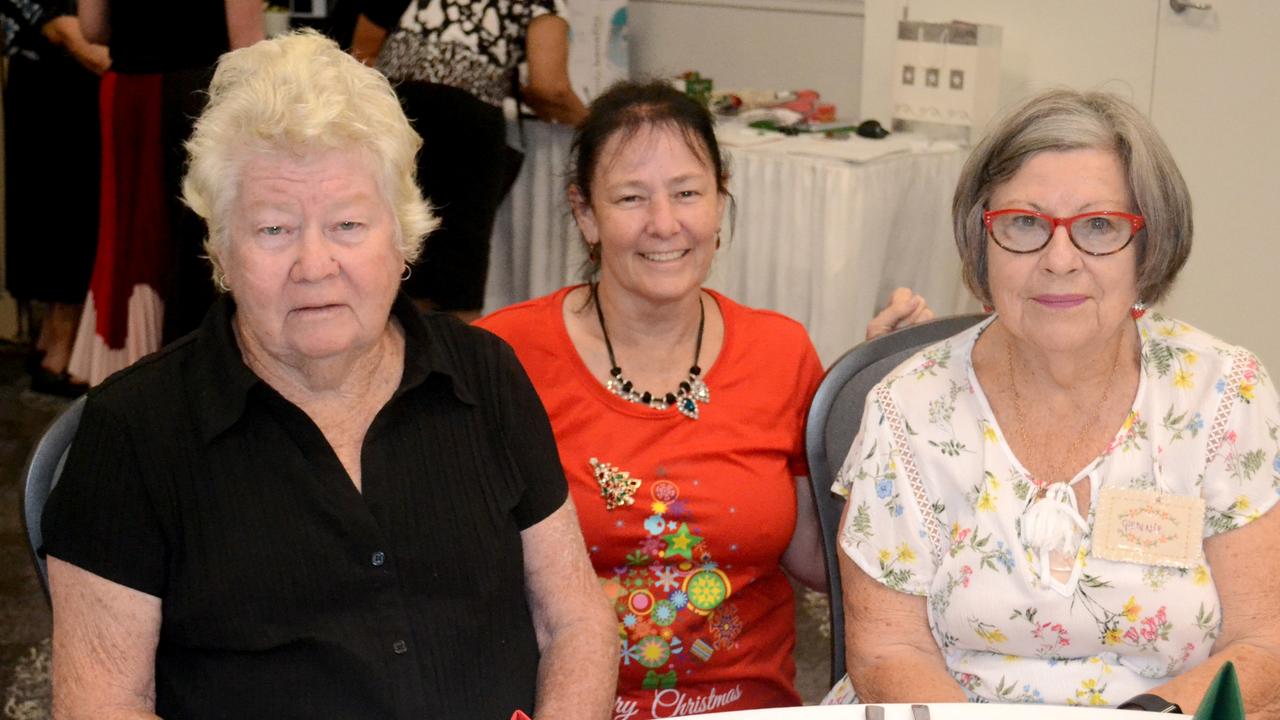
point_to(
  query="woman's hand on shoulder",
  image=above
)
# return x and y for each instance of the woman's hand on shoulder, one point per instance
(905, 308)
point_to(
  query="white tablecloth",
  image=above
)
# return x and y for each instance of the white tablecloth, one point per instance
(818, 239)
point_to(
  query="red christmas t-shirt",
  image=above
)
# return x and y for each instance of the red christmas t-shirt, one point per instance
(706, 617)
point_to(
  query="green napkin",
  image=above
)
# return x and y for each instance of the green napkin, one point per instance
(1222, 701)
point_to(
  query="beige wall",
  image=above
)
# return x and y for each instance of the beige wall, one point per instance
(762, 44)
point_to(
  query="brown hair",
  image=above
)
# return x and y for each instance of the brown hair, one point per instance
(625, 109)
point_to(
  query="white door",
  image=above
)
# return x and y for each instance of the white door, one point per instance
(1216, 101)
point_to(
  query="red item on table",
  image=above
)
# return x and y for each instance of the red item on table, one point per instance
(824, 112)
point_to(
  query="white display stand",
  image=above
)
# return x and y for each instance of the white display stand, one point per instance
(598, 45)
(946, 74)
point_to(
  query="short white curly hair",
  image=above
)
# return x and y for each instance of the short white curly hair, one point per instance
(299, 93)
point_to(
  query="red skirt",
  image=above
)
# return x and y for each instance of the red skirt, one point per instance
(123, 315)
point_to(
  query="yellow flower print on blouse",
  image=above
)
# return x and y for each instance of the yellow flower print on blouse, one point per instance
(1183, 380)
(989, 433)
(986, 500)
(1089, 694)
(992, 634)
(1132, 610)
(905, 554)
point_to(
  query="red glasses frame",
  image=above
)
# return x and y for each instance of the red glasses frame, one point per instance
(1136, 223)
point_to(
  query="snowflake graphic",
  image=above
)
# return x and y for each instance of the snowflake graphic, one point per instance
(726, 626)
(666, 578)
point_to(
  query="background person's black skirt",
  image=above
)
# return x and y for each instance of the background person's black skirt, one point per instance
(464, 169)
(51, 178)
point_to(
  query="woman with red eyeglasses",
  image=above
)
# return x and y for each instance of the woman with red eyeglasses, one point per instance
(1069, 503)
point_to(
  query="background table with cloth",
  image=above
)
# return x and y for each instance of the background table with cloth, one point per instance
(819, 239)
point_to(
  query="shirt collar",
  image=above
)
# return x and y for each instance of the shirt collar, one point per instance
(219, 383)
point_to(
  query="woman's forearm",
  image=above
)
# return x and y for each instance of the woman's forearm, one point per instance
(1257, 667)
(93, 16)
(367, 40)
(890, 652)
(557, 104)
(901, 674)
(549, 91)
(575, 623)
(245, 24)
(578, 671)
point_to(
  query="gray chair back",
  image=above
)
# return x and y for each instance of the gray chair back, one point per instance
(833, 422)
(41, 474)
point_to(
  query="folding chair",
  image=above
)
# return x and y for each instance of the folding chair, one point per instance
(832, 425)
(41, 474)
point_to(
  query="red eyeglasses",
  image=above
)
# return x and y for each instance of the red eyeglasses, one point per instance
(1094, 233)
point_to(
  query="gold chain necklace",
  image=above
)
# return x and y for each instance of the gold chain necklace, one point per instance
(1092, 422)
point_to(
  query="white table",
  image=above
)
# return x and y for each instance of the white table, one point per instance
(937, 711)
(818, 239)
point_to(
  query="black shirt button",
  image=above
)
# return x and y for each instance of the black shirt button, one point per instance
(399, 647)
(378, 559)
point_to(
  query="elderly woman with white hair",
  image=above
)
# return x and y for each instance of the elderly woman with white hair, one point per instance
(1072, 502)
(320, 504)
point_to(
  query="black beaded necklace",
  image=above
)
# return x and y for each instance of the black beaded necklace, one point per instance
(685, 399)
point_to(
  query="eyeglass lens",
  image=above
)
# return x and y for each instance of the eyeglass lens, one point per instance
(1091, 233)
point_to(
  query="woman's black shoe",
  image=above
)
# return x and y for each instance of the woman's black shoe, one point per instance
(31, 363)
(48, 382)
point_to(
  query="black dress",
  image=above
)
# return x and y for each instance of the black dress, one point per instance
(51, 171)
(453, 62)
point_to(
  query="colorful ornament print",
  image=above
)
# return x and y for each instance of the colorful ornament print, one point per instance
(706, 590)
(668, 591)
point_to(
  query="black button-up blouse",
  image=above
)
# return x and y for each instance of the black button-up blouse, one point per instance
(288, 593)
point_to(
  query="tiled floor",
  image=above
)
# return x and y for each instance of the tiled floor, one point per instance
(24, 614)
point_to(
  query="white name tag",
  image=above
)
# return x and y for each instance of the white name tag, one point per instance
(1148, 527)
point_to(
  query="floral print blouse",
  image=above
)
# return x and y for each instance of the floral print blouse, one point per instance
(935, 496)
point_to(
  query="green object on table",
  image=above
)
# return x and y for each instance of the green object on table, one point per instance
(698, 88)
(1222, 701)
